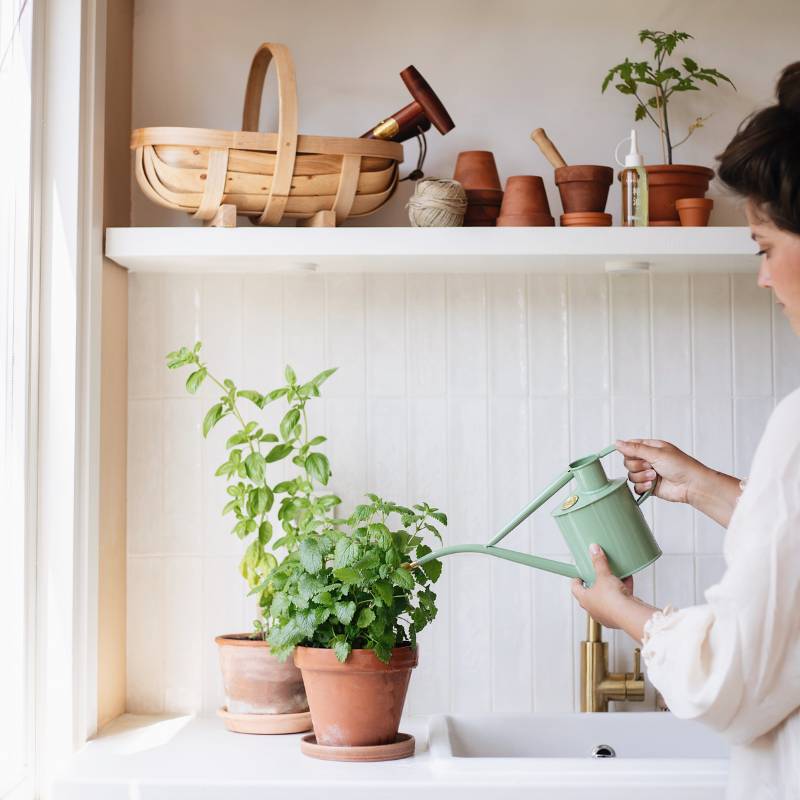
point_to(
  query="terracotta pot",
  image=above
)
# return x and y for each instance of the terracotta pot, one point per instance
(694, 211)
(524, 195)
(485, 197)
(525, 220)
(481, 215)
(667, 183)
(255, 681)
(476, 169)
(586, 219)
(357, 703)
(583, 187)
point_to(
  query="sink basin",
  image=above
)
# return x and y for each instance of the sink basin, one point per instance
(652, 750)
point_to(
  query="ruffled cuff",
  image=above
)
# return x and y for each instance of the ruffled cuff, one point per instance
(660, 621)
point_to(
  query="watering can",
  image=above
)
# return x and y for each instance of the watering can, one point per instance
(600, 511)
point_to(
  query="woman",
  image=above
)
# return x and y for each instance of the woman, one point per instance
(734, 663)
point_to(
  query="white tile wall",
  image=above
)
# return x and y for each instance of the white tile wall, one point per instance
(467, 391)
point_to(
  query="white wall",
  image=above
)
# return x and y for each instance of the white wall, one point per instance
(468, 391)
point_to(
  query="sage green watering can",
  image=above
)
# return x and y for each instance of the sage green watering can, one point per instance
(598, 511)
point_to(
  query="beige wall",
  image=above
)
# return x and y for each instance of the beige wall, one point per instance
(111, 651)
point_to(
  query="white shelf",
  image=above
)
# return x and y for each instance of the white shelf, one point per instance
(579, 250)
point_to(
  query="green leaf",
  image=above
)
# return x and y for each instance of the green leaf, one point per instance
(214, 415)
(432, 570)
(342, 649)
(365, 618)
(690, 65)
(384, 591)
(194, 380)
(253, 397)
(347, 552)
(318, 467)
(291, 378)
(278, 452)
(318, 380)
(290, 419)
(641, 112)
(344, 611)
(317, 440)
(311, 555)
(264, 533)
(254, 465)
(403, 578)
(347, 575)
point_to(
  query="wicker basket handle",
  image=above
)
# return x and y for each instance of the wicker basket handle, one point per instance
(287, 122)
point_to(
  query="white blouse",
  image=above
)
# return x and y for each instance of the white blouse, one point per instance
(734, 663)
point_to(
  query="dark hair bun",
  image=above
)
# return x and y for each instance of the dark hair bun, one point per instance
(788, 89)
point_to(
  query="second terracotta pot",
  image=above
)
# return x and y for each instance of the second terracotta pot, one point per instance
(694, 211)
(476, 169)
(359, 702)
(583, 187)
(667, 183)
(524, 194)
(255, 681)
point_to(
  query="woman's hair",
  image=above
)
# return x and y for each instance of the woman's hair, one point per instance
(762, 161)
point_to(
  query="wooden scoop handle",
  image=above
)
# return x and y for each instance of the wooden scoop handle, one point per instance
(549, 150)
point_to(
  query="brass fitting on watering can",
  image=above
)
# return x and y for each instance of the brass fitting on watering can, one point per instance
(599, 510)
(598, 685)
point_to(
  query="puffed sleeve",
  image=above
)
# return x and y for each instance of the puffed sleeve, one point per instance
(734, 663)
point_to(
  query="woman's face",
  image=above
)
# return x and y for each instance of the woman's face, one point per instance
(780, 263)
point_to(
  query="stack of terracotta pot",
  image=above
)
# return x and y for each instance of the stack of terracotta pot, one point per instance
(584, 193)
(672, 187)
(477, 172)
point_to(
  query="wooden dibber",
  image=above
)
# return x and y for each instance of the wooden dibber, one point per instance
(549, 150)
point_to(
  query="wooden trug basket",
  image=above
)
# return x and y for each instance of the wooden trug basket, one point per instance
(215, 175)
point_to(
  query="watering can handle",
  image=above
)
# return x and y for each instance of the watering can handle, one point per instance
(639, 500)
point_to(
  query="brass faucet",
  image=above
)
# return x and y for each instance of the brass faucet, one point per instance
(598, 685)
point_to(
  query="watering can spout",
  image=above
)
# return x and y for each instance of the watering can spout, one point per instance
(547, 564)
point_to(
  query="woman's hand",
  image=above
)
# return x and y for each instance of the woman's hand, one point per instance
(649, 459)
(679, 477)
(610, 601)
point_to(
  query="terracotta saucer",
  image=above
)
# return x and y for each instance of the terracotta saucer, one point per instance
(401, 747)
(665, 223)
(586, 219)
(266, 723)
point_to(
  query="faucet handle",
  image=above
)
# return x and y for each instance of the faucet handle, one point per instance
(637, 664)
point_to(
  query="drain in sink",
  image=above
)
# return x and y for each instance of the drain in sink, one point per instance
(603, 751)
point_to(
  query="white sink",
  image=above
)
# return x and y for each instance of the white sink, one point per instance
(653, 750)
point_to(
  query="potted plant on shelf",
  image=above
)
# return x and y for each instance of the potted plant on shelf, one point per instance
(347, 606)
(667, 182)
(263, 694)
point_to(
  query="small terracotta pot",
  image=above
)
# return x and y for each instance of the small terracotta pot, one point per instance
(583, 187)
(667, 183)
(485, 197)
(360, 702)
(586, 219)
(694, 211)
(481, 215)
(255, 681)
(524, 195)
(525, 220)
(476, 169)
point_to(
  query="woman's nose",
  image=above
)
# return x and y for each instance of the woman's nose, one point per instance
(764, 278)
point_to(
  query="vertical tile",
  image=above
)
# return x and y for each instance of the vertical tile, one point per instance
(630, 419)
(674, 581)
(262, 332)
(466, 335)
(750, 420)
(181, 306)
(630, 334)
(752, 345)
(146, 345)
(550, 454)
(426, 335)
(508, 345)
(347, 449)
(183, 635)
(386, 335)
(145, 518)
(221, 327)
(145, 635)
(553, 668)
(708, 572)
(672, 358)
(588, 334)
(548, 334)
(182, 478)
(222, 593)
(304, 324)
(470, 630)
(786, 352)
(512, 680)
(711, 334)
(387, 448)
(429, 692)
(344, 334)
(713, 445)
(589, 425)
(673, 523)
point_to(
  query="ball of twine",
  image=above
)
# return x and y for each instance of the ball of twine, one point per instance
(437, 203)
